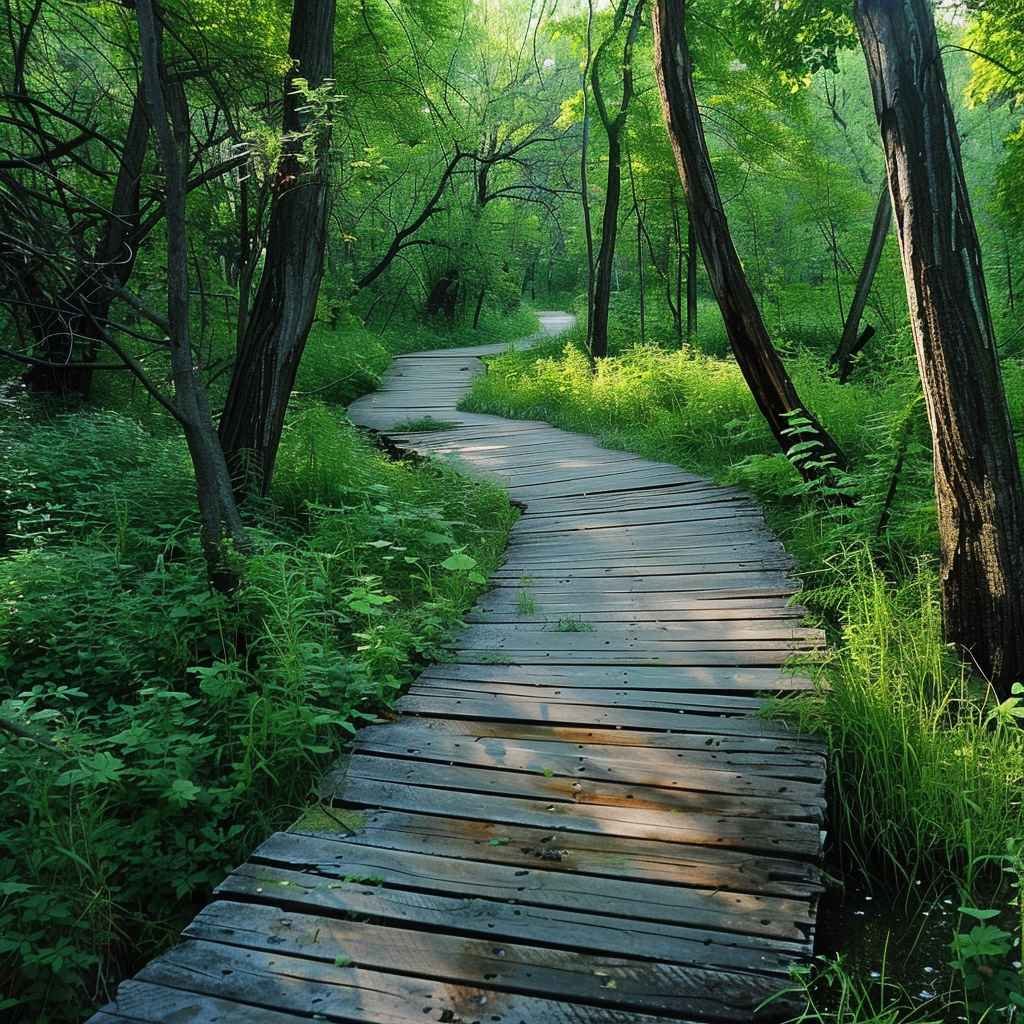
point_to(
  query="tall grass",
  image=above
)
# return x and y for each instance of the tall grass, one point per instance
(924, 771)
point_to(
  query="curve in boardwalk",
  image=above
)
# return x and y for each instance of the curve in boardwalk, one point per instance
(580, 817)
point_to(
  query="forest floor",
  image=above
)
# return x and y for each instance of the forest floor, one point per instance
(586, 777)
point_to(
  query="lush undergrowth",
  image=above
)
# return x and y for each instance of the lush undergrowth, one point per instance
(163, 729)
(927, 767)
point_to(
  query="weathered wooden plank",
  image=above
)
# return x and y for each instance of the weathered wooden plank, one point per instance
(546, 572)
(587, 521)
(791, 743)
(585, 793)
(663, 700)
(752, 915)
(590, 853)
(621, 482)
(666, 601)
(656, 677)
(732, 656)
(797, 838)
(551, 712)
(662, 769)
(157, 1004)
(772, 759)
(590, 933)
(573, 631)
(741, 549)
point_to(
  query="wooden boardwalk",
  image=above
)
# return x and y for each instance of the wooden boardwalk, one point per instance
(580, 817)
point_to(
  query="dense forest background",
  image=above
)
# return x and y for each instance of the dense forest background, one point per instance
(180, 207)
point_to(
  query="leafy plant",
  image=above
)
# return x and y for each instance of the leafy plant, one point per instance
(981, 958)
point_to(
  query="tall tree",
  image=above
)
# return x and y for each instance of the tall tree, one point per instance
(977, 473)
(165, 103)
(853, 339)
(285, 304)
(614, 124)
(588, 226)
(814, 452)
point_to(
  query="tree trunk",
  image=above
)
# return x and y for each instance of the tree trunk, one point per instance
(285, 303)
(613, 191)
(588, 227)
(675, 301)
(818, 456)
(842, 358)
(479, 306)
(220, 520)
(977, 476)
(606, 251)
(444, 296)
(691, 283)
(69, 335)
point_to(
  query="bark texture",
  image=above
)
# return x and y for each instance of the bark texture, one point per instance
(285, 303)
(977, 473)
(762, 368)
(614, 124)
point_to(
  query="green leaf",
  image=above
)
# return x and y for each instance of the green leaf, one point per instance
(978, 914)
(183, 791)
(459, 562)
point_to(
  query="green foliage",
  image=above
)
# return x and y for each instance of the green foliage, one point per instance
(896, 697)
(422, 425)
(981, 957)
(186, 725)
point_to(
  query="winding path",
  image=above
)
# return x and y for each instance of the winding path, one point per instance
(580, 817)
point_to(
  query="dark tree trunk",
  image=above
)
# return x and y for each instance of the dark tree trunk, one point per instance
(167, 113)
(977, 476)
(479, 306)
(285, 303)
(762, 368)
(588, 226)
(691, 283)
(614, 126)
(640, 272)
(674, 298)
(842, 358)
(638, 212)
(70, 335)
(444, 296)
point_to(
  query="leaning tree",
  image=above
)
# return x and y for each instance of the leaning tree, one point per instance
(811, 448)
